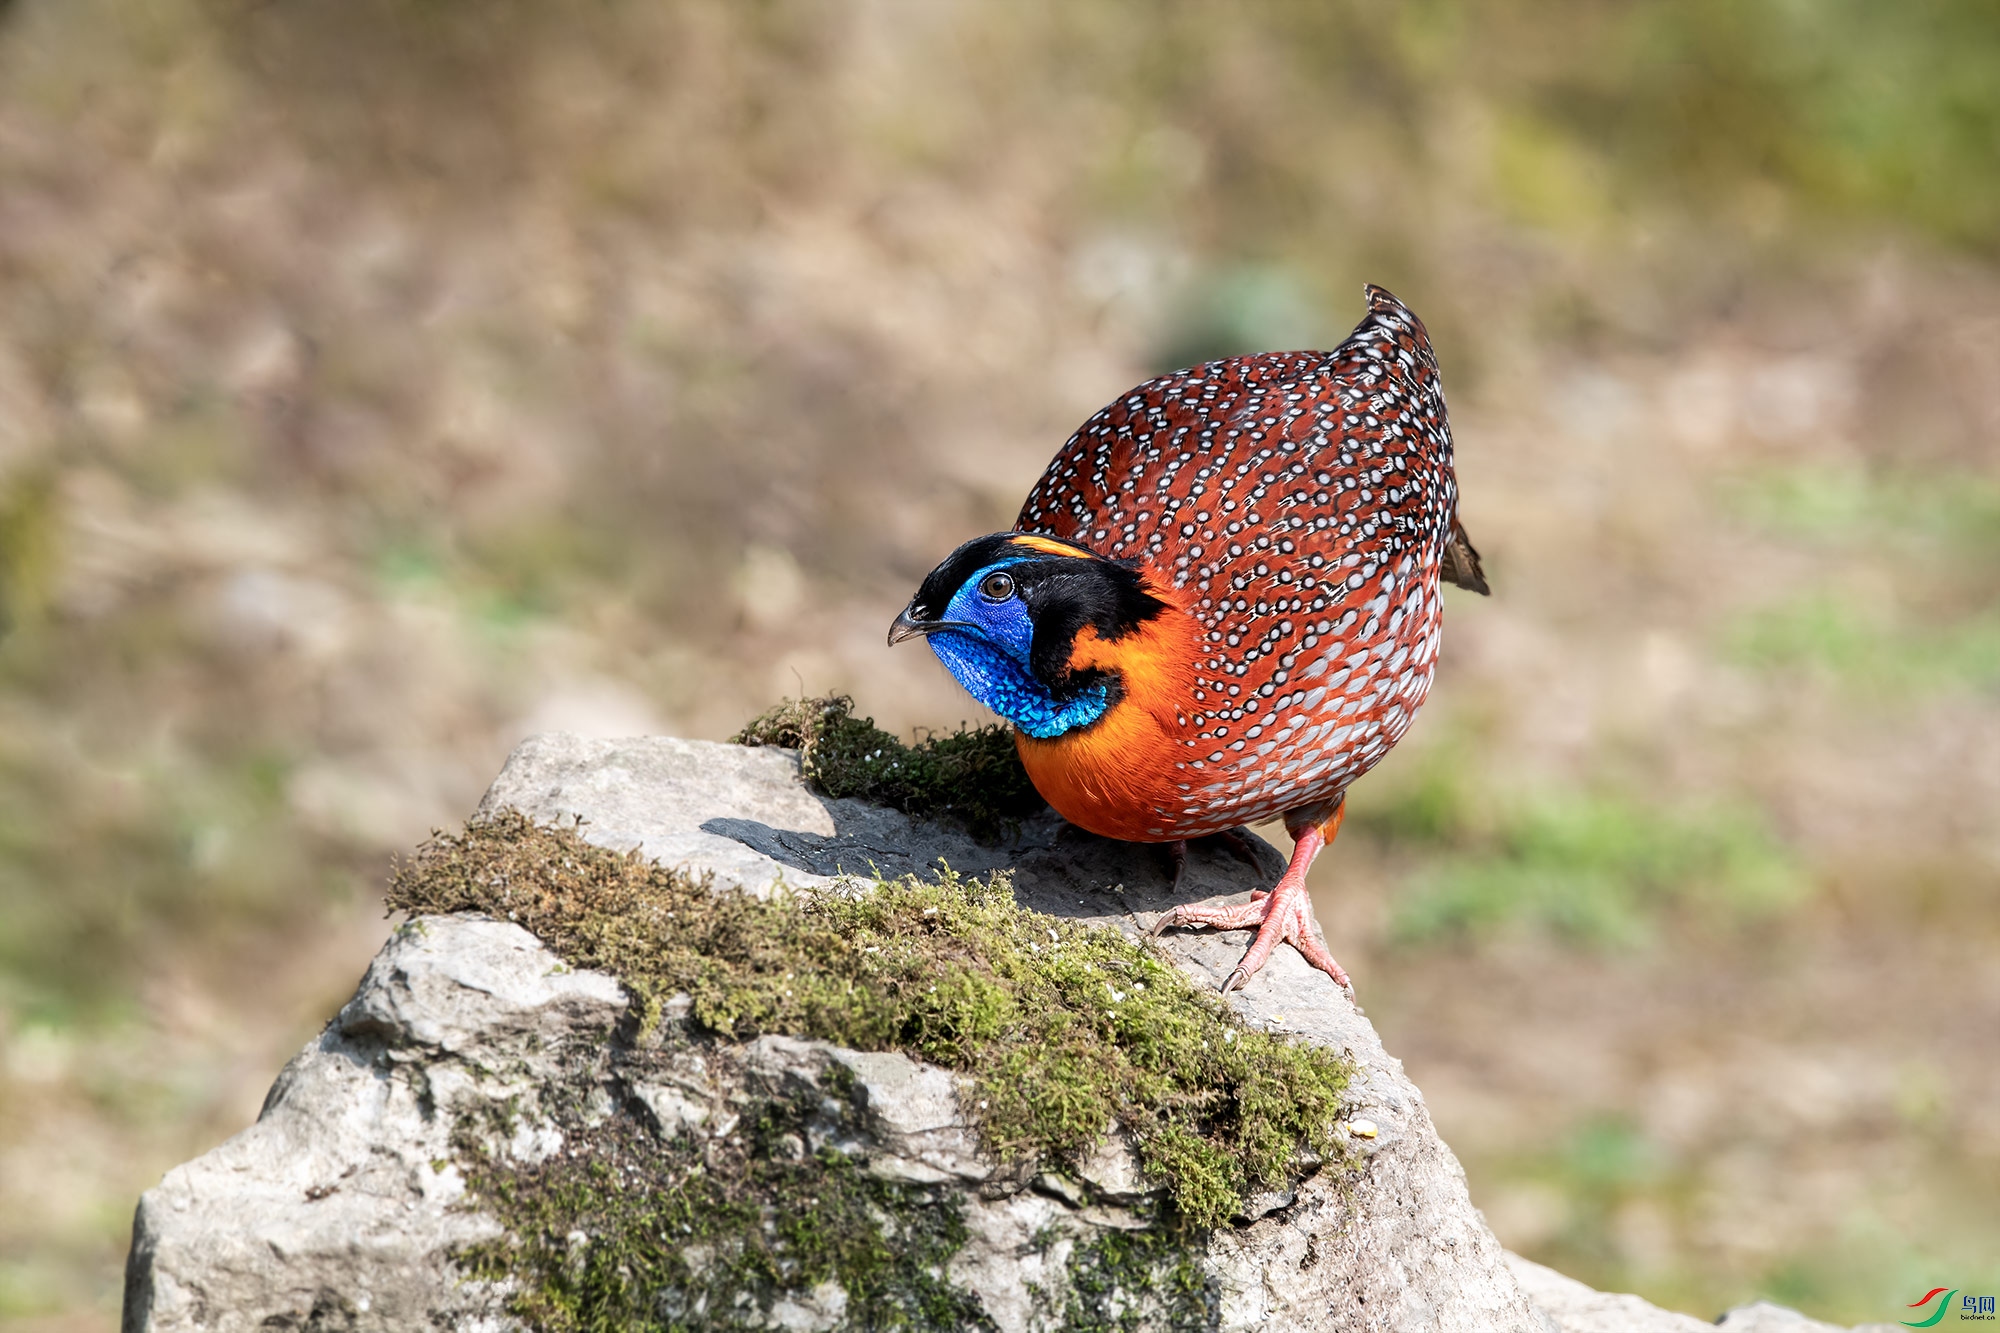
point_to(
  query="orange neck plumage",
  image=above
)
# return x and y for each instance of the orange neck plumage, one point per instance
(1114, 775)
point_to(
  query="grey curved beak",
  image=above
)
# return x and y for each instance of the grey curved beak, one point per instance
(907, 626)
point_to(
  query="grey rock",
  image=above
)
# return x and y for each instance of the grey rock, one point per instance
(336, 1209)
(1112, 1171)
(1576, 1308)
(913, 1115)
(1764, 1317)
(339, 1208)
(671, 1111)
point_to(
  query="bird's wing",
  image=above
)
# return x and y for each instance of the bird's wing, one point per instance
(1302, 503)
(1260, 481)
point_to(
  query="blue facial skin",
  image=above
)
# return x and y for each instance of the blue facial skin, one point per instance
(990, 658)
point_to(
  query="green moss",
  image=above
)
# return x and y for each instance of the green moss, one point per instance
(1122, 1281)
(620, 1231)
(1063, 1028)
(974, 776)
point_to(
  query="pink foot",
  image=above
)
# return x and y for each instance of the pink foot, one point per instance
(1280, 914)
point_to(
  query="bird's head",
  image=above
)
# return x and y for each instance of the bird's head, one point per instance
(1004, 613)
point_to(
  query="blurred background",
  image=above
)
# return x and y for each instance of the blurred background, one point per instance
(384, 380)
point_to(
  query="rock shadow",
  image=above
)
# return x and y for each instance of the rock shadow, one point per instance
(1058, 868)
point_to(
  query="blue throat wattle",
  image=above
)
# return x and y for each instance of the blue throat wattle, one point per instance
(997, 680)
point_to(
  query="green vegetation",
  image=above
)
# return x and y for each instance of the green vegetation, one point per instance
(1845, 107)
(1867, 648)
(619, 1231)
(1923, 619)
(1597, 1166)
(973, 776)
(101, 869)
(1591, 868)
(1063, 1028)
(1598, 869)
(29, 520)
(1956, 513)
(1604, 1175)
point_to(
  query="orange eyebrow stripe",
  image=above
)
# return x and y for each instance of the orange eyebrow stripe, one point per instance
(1047, 546)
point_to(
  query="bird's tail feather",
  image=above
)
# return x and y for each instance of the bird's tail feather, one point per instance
(1461, 562)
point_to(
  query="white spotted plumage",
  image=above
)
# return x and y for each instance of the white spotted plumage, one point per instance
(1304, 503)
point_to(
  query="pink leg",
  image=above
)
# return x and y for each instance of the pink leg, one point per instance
(1283, 914)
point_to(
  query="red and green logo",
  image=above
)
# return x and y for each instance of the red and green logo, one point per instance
(1936, 1315)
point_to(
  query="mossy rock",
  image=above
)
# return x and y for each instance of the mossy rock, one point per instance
(1063, 1028)
(1060, 1029)
(971, 777)
(533, 1109)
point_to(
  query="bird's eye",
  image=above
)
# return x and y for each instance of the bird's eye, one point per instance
(997, 587)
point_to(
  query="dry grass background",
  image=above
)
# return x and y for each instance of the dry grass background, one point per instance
(383, 380)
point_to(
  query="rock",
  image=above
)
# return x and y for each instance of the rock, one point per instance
(1764, 1317)
(343, 1205)
(1576, 1308)
(338, 1207)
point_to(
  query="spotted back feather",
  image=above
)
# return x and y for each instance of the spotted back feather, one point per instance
(1303, 505)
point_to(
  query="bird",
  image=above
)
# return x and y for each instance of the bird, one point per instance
(1220, 604)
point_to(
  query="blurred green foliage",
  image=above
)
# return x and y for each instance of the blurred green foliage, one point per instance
(1590, 867)
(29, 523)
(1241, 309)
(1762, 116)
(1600, 1166)
(1617, 1181)
(1864, 646)
(1911, 606)
(1944, 513)
(104, 869)
(1875, 111)
(1594, 868)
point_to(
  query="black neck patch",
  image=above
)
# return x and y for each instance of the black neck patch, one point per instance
(1063, 594)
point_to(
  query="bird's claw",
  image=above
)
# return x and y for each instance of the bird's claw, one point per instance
(1279, 916)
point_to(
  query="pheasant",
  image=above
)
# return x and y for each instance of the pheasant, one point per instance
(1220, 604)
